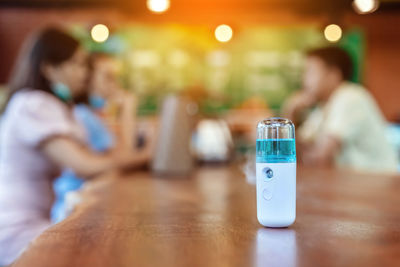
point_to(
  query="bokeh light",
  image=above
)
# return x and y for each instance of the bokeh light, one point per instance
(100, 33)
(158, 6)
(333, 33)
(365, 6)
(223, 33)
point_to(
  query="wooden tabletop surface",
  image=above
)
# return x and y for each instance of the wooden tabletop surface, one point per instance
(209, 219)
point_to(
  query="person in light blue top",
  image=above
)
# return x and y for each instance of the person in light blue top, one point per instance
(103, 86)
(99, 138)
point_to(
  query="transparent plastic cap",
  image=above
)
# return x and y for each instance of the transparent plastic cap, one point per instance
(275, 141)
(275, 128)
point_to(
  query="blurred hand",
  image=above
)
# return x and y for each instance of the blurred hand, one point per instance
(125, 159)
(321, 153)
(297, 104)
(130, 158)
(119, 95)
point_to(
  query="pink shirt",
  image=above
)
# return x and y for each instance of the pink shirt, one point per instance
(26, 174)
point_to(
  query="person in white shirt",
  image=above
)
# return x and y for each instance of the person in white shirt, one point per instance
(345, 126)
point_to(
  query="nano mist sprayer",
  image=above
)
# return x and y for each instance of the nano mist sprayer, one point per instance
(276, 172)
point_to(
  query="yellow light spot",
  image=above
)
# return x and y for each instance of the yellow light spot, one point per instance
(333, 33)
(100, 33)
(158, 6)
(365, 6)
(223, 33)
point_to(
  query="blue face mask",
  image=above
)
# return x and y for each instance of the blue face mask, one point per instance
(61, 91)
(97, 102)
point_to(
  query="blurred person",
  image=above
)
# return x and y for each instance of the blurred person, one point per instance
(40, 136)
(106, 94)
(345, 127)
(104, 90)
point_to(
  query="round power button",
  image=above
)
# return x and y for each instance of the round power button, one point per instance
(267, 193)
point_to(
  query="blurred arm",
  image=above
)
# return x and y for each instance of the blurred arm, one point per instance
(322, 153)
(67, 153)
(294, 107)
(128, 122)
(128, 125)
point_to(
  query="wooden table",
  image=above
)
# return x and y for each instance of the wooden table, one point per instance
(209, 219)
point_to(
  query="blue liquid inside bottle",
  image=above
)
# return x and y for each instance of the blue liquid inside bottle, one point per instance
(275, 150)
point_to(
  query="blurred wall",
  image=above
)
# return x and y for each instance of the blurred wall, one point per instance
(381, 73)
(381, 29)
(17, 23)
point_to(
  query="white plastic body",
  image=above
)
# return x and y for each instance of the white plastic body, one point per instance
(276, 196)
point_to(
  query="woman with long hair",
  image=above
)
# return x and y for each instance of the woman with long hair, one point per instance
(40, 137)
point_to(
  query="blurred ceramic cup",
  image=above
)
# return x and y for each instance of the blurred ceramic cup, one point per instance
(172, 153)
(212, 141)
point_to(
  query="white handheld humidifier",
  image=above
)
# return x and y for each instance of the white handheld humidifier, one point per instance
(276, 172)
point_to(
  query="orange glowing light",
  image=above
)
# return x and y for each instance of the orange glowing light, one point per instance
(333, 33)
(158, 6)
(365, 6)
(100, 33)
(223, 33)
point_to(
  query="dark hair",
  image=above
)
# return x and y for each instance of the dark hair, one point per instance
(52, 46)
(335, 57)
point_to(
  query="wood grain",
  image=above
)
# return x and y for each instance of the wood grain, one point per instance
(209, 219)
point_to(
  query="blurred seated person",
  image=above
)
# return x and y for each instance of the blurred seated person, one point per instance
(40, 136)
(339, 121)
(104, 91)
(114, 104)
